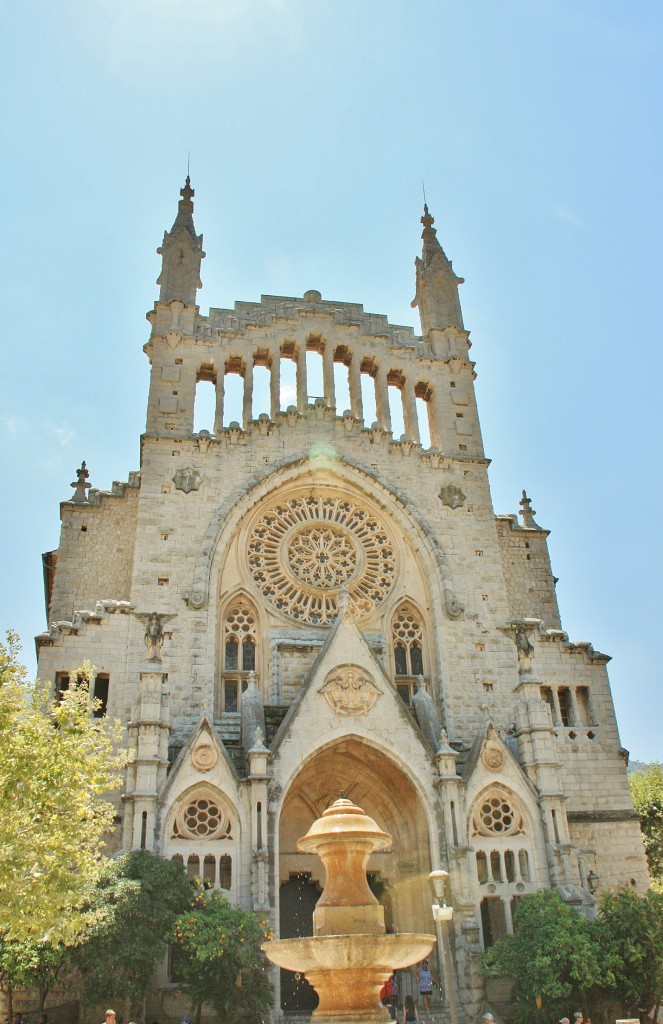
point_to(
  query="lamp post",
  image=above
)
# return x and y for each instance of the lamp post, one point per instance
(442, 915)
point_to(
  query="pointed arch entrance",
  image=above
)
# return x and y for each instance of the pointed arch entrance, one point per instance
(353, 768)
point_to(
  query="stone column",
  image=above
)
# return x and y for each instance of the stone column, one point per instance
(302, 383)
(354, 384)
(436, 419)
(220, 391)
(410, 412)
(247, 409)
(328, 375)
(275, 385)
(149, 729)
(558, 710)
(258, 757)
(382, 398)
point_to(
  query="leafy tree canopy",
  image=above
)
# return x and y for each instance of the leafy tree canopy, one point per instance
(613, 961)
(647, 793)
(218, 958)
(630, 928)
(135, 904)
(553, 954)
(31, 965)
(58, 764)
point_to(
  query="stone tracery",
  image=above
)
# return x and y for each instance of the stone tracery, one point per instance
(302, 550)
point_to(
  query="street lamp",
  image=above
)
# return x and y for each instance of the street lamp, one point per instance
(442, 915)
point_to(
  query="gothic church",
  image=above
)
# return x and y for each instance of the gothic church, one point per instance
(298, 604)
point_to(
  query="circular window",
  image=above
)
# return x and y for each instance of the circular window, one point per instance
(201, 818)
(302, 551)
(496, 816)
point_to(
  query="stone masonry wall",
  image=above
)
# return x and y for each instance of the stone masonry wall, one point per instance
(528, 576)
(95, 555)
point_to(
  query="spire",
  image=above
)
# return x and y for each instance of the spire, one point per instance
(181, 252)
(431, 244)
(437, 285)
(527, 513)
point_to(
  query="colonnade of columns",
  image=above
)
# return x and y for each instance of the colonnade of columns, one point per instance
(405, 386)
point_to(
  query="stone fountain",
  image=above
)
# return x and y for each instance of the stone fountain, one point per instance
(349, 956)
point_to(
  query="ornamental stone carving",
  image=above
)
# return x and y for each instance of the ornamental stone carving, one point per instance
(452, 496)
(204, 757)
(350, 691)
(493, 758)
(303, 550)
(187, 479)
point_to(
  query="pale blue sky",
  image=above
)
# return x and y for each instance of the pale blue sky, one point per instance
(536, 127)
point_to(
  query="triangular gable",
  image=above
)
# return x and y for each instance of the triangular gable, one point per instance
(345, 651)
(203, 757)
(492, 758)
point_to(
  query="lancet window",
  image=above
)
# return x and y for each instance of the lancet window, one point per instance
(408, 642)
(503, 851)
(238, 655)
(202, 836)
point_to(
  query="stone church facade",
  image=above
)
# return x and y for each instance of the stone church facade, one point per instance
(298, 605)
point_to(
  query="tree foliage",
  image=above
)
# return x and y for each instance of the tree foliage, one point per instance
(135, 904)
(647, 794)
(555, 953)
(218, 958)
(631, 929)
(57, 765)
(31, 965)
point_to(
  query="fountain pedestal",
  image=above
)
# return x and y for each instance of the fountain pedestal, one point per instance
(349, 956)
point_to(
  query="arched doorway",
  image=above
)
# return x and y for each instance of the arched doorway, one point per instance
(399, 877)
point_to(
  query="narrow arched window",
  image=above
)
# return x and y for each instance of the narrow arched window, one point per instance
(407, 640)
(238, 656)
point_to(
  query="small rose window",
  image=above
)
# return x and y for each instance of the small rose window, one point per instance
(497, 815)
(201, 818)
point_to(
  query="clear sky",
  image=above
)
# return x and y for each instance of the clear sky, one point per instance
(311, 123)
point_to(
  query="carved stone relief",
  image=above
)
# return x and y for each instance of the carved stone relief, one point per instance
(492, 758)
(350, 691)
(204, 757)
(187, 479)
(452, 496)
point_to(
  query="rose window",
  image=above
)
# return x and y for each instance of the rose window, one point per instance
(496, 816)
(322, 556)
(201, 818)
(302, 551)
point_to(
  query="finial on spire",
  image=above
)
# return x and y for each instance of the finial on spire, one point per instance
(80, 485)
(187, 192)
(527, 513)
(428, 222)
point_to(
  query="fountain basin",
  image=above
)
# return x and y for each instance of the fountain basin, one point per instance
(337, 952)
(348, 971)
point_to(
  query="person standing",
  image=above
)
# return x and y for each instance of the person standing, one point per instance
(425, 979)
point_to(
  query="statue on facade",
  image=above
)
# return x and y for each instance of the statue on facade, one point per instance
(154, 637)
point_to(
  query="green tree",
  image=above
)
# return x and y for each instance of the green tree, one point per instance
(218, 958)
(553, 954)
(647, 794)
(57, 764)
(30, 965)
(630, 929)
(135, 904)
